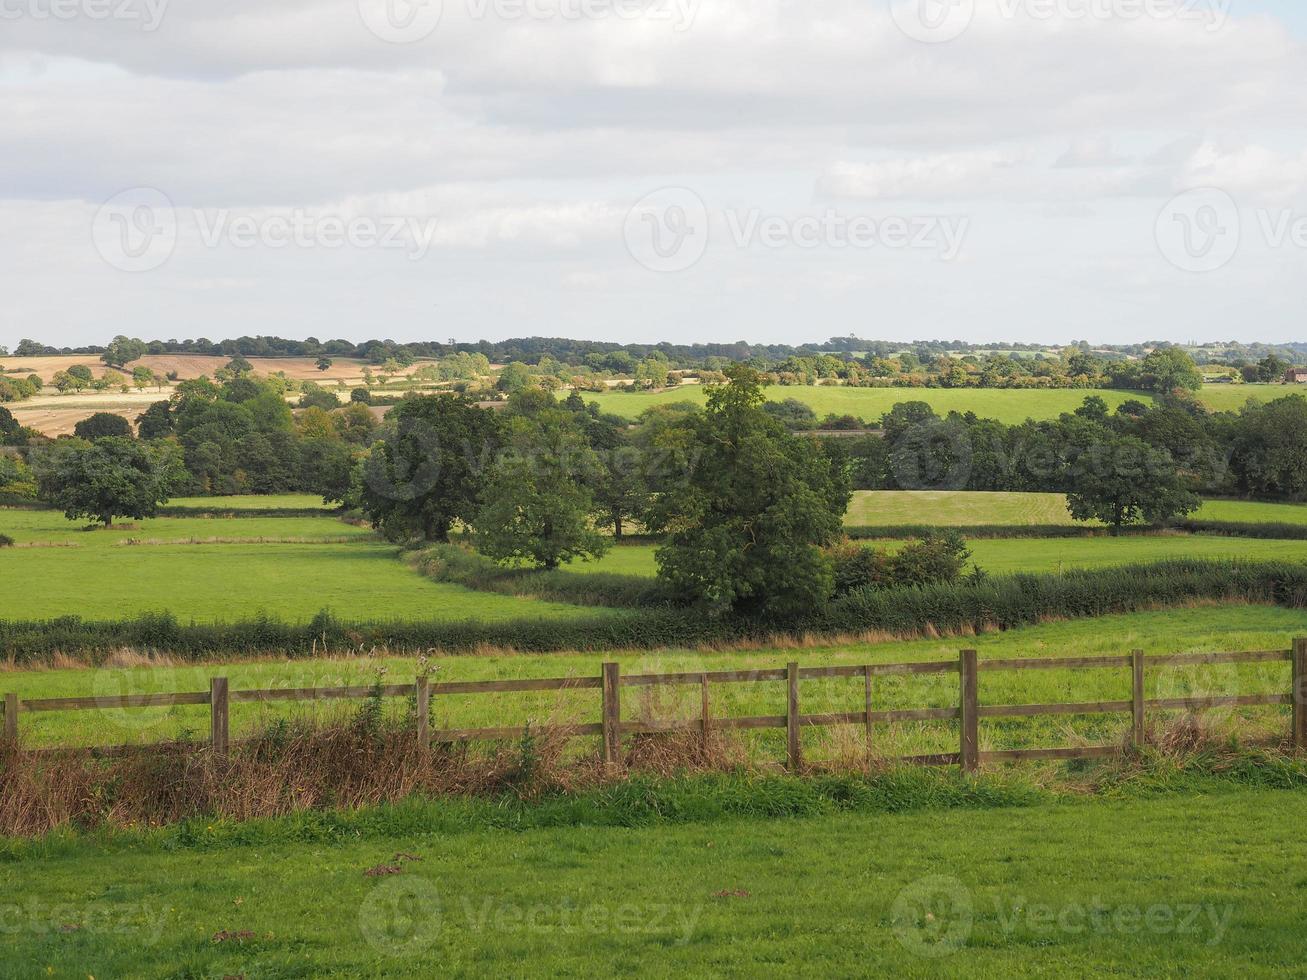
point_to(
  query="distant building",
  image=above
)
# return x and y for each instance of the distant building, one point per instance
(1296, 376)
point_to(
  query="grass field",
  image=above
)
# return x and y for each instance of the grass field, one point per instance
(1209, 884)
(1201, 629)
(1004, 555)
(1231, 398)
(871, 508)
(272, 501)
(1009, 406)
(301, 567)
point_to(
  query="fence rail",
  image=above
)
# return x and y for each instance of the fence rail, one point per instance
(610, 682)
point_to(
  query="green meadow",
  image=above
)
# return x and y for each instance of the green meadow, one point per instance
(1010, 406)
(1208, 883)
(886, 508)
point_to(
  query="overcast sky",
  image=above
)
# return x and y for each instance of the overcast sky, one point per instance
(642, 170)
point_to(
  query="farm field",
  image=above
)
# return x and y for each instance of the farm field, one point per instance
(1008, 406)
(1202, 629)
(871, 508)
(272, 501)
(1206, 884)
(1231, 398)
(304, 564)
(1004, 555)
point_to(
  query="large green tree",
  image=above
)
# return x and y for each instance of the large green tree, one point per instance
(426, 471)
(121, 350)
(108, 478)
(103, 424)
(747, 526)
(1122, 480)
(538, 505)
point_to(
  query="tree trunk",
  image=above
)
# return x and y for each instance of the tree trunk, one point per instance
(617, 527)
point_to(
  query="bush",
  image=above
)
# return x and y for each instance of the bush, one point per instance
(6, 541)
(939, 556)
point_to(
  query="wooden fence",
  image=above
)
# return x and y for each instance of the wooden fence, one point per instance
(968, 711)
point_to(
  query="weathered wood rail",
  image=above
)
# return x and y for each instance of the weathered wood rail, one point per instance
(968, 712)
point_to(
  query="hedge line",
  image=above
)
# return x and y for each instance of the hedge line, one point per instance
(1233, 529)
(997, 603)
(462, 566)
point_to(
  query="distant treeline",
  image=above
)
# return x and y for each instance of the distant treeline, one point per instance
(530, 350)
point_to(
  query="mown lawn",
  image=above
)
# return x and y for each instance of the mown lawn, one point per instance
(1201, 629)
(1203, 885)
(871, 508)
(1008, 406)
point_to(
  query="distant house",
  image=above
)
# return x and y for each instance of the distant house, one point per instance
(1296, 376)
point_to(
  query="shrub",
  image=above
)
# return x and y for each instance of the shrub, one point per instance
(6, 541)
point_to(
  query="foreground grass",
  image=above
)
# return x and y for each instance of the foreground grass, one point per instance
(1202, 884)
(871, 508)
(1202, 629)
(1008, 406)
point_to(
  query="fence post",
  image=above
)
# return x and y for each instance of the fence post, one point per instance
(218, 716)
(970, 711)
(11, 716)
(866, 677)
(422, 690)
(612, 713)
(703, 697)
(1299, 693)
(1137, 697)
(795, 752)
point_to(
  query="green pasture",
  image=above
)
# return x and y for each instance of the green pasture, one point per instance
(1208, 884)
(1201, 629)
(1010, 406)
(1000, 556)
(50, 527)
(272, 501)
(1231, 398)
(871, 508)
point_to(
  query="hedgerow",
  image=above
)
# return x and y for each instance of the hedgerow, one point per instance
(1001, 602)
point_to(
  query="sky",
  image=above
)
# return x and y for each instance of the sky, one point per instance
(777, 171)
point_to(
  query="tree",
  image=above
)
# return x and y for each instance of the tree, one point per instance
(121, 350)
(103, 424)
(747, 527)
(324, 363)
(514, 377)
(112, 477)
(1270, 448)
(1169, 368)
(425, 473)
(156, 421)
(238, 366)
(142, 377)
(1122, 480)
(537, 500)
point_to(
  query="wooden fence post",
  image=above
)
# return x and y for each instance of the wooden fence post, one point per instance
(703, 697)
(1137, 697)
(218, 716)
(422, 691)
(1299, 693)
(11, 716)
(970, 711)
(612, 713)
(866, 677)
(795, 751)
